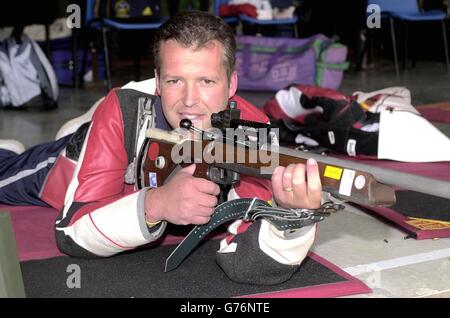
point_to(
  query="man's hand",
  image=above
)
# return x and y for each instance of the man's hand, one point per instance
(183, 200)
(297, 185)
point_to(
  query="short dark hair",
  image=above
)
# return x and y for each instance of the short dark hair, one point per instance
(196, 29)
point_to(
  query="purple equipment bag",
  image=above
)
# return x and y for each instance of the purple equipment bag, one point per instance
(266, 63)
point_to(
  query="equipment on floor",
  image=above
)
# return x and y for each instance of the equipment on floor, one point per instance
(27, 78)
(381, 124)
(269, 63)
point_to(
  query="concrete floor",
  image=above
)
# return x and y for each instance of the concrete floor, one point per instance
(364, 246)
(379, 255)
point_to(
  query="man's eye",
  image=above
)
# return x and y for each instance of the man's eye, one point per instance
(207, 82)
(174, 81)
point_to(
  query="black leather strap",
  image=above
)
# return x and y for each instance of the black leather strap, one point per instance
(230, 210)
(247, 209)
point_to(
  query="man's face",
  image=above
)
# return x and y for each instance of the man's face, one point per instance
(193, 84)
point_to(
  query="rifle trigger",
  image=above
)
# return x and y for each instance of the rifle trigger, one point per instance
(222, 176)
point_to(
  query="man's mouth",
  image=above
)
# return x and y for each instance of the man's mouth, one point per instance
(193, 117)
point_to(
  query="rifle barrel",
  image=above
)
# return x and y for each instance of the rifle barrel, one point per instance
(408, 181)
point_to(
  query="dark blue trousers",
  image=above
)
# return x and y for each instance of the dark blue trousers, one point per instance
(22, 176)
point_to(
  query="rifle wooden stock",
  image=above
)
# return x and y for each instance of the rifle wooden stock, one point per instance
(343, 179)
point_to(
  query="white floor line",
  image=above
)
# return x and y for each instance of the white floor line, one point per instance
(438, 292)
(398, 262)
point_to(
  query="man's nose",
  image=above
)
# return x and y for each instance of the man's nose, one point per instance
(191, 95)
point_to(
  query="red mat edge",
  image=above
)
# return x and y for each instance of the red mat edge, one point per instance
(400, 220)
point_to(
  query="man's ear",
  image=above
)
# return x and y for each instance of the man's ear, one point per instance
(158, 91)
(233, 84)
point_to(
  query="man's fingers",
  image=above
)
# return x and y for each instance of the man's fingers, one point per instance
(189, 169)
(287, 178)
(314, 183)
(298, 175)
(299, 181)
(206, 186)
(277, 183)
(312, 170)
(206, 200)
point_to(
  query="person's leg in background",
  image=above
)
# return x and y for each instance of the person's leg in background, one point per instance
(23, 174)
